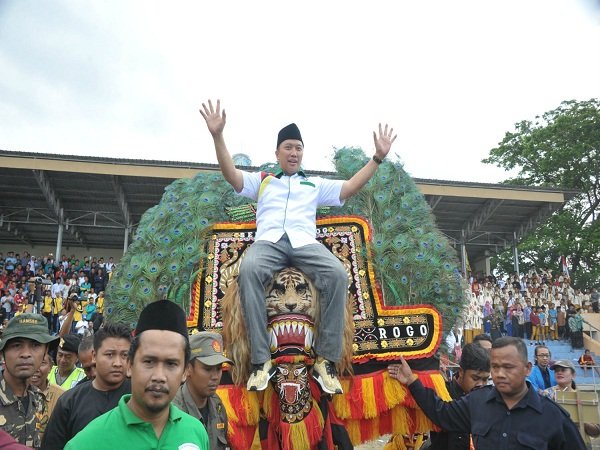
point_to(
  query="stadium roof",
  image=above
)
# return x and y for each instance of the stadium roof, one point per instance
(97, 199)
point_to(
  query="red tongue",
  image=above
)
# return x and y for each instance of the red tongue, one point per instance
(290, 391)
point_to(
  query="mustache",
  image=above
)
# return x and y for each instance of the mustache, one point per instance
(157, 388)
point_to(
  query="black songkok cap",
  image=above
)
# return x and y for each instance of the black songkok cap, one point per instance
(289, 132)
(162, 315)
(69, 343)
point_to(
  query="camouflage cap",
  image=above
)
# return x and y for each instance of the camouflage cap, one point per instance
(208, 348)
(28, 326)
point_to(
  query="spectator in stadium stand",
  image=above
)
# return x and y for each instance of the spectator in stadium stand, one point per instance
(87, 401)
(110, 265)
(99, 281)
(595, 299)
(541, 376)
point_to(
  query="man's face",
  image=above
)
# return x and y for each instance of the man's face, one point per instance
(40, 376)
(203, 380)
(542, 357)
(86, 358)
(22, 357)
(111, 362)
(509, 370)
(66, 360)
(289, 154)
(470, 379)
(157, 370)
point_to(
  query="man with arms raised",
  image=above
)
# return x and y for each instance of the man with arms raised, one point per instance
(286, 231)
(158, 356)
(509, 415)
(82, 404)
(24, 343)
(197, 396)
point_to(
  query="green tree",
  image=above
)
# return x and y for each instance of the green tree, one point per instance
(560, 149)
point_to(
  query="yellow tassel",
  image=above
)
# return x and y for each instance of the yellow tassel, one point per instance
(401, 421)
(393, 391)
(396, 443)
(423, 424)
(253, 413)
(256, 444)
(231, 413)
(440, 387)
(340, 402)
(267, 399)
(353, 428)
(368, 395)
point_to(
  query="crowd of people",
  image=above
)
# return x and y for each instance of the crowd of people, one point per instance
(43, 285)
(56, 389)
(538, 305)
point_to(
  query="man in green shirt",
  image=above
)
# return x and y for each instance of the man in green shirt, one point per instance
(159, 354)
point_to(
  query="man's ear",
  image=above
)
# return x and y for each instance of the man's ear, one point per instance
(128, 368)
(461, 374)
(529, 366)
(93, 356)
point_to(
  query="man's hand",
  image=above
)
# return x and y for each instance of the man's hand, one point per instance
(383, 142)
(402, 372)
(215, 119)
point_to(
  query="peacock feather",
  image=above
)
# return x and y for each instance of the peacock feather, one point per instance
(414, 262)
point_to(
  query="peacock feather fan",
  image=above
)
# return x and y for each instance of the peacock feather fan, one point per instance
(414, 262)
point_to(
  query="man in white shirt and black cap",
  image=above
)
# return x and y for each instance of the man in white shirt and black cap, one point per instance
(287, 203)
(197, 396)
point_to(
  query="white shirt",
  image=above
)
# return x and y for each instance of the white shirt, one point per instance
(288, 204)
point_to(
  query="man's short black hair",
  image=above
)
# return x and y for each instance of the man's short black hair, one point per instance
(111, 330)
(475, 357)
(482, 337)
(135, 343)
(86, 344)
(538, 347)
(516, 342)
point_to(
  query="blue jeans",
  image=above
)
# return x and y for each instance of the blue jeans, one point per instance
(325, 270)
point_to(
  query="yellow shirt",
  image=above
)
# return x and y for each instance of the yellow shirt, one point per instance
(77, 315)
(100, 305)
(47, 304)
(58, 304)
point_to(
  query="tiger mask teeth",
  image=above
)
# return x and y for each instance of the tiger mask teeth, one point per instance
(290, 331)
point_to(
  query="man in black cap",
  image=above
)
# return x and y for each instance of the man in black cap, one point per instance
(23, 345)
(157, 360)
(197, 396)
(286, 230)
(66, 374)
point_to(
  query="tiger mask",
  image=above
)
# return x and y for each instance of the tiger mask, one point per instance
(292, 305)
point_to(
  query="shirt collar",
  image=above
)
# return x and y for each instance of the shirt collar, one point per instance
(130, 418)
(531, 399)
(280, 173)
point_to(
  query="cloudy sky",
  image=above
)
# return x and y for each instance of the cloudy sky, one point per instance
(120, 78)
